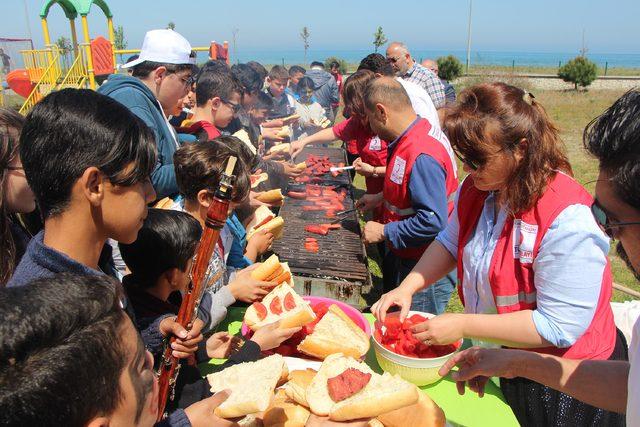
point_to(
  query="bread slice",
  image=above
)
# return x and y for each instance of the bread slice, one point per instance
(251, 384)
(298, 316)
(384, 393)
(317, 394)
(284, 132)
(243, 136)
(259, 215)
(424, 413)
(271, 196)
(335, 333)
(284, 412)
(259, 178)
(296, 387)
(266, 269)
(275, 226)
(280, 148)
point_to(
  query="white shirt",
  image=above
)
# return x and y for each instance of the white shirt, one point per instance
(421, 102)
(633, 399)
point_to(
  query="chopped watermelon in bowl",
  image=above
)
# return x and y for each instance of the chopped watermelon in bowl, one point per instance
(399, 352)
(320, 306)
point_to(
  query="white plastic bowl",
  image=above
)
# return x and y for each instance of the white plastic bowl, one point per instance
(416, 370)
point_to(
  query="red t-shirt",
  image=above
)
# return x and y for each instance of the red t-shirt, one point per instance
(209, 128)
(369, 147)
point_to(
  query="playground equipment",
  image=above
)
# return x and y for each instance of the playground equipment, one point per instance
(90, 59)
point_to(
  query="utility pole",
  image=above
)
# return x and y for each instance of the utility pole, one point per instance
(26, 17)
(235, 32)
(583, 51)
(469, 38)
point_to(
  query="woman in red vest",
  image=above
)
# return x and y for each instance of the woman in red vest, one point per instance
(531, 258)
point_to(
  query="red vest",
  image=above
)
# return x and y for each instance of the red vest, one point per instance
(374, 152)
(420, 139)
(511, 274)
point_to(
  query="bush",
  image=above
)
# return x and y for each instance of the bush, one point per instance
(342, 62)
(580, 71)
(449, 68)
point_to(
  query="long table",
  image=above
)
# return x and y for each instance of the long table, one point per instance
(467, 410)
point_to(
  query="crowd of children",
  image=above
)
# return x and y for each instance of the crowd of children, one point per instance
(104, 197)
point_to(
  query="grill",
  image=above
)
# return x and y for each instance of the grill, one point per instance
(339, 269)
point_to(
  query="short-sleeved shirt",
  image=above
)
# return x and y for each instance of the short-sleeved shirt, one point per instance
(428, 81)
(371, 148)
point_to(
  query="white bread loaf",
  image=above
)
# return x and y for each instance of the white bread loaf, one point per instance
(335, 333)
(298, 316)
(251, 385)
(296, 387)
(424, 413)
(284, 412)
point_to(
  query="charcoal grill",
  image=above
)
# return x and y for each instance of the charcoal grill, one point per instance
(339, 269)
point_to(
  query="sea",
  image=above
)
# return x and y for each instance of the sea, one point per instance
(500, 58)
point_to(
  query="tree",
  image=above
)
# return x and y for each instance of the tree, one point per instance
(171, 25)
(304, 35)
(118, 38)
(65, 46)
(580, 71)
(341, 62)
(449, 68)
(379, 39)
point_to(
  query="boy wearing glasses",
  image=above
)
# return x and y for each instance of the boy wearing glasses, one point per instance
(218, 101)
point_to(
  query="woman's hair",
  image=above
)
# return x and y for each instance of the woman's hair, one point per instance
(354, 91)
(494, 117)
(10, 127)
(305, 83)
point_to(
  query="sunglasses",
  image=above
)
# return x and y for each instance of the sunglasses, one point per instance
(603, 220)
(235, 107)
(393, 60)
(472, 164)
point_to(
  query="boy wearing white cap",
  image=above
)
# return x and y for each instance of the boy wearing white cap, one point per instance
(162, 75)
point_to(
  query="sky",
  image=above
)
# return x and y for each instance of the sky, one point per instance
(497, 25)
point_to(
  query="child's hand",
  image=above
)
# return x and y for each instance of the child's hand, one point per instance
(247, 289)
(220, 345)
(290, 170)
(271, 133)
(275, 123)
(200, 414)
(271, 336)
(186, 343)
(253, 201)
(259, 243)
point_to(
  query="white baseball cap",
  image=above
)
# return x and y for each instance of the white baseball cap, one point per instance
(164, 46)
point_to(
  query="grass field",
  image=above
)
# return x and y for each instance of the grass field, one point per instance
(570, 111)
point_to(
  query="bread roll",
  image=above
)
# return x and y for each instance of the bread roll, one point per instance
(423, 413)
(284, 412)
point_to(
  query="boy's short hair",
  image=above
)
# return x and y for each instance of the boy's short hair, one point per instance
(317, 64)
(295, 69)
(278, 72)
(240, 148)
(377, 63)
(73, 129)
(168, 239)
(143, 69)
(248, 78)
(62, 351)
(258, 68)
(199, 166)
(263, 102)
(213, 83)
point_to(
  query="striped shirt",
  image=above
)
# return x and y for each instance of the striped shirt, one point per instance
(424, 78)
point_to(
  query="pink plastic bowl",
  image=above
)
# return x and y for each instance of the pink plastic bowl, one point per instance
(353, 314)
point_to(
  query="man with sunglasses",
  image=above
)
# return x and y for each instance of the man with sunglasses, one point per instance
(614, 139)
(406, 68)
(162, 75)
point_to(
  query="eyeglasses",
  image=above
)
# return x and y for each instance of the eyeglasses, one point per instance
(235, 107)
(603, 220)
(393, 60)
(14, 168)
(475, 165)
(472, 164)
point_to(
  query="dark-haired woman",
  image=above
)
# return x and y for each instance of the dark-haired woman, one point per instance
(531, 259)
(15, 195)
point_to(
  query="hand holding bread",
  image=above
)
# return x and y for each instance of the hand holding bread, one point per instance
(245, 288)
(271, 336)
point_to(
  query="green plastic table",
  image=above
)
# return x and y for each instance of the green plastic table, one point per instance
(467, 410)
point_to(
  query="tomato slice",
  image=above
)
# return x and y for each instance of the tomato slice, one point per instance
(276, 306)
(289, 302)
(261, 310)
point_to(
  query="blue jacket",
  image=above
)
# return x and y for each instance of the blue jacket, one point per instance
(236, 256)
(326, 88)
(137, 97)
